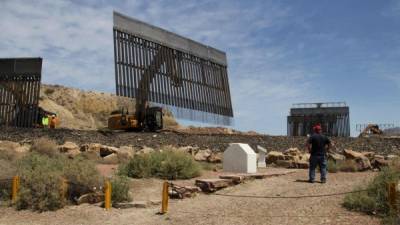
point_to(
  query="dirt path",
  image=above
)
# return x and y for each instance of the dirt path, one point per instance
(213, 209)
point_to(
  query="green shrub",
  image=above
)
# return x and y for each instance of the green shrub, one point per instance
(120, 189)
(375, 199)
(42, 177)
(166, 164)
(45, 146)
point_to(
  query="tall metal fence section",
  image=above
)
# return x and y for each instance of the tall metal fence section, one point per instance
(19, 91)
(334, 118)
(177, 72)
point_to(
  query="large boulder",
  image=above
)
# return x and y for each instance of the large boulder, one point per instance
(285, 163)
(215, 157)
(369, 155)
(379, 163)
(363, 163)
(336, 157)
(292, 152)
(70, 149)
(202, 155)
(110, 159)
(350, 154)
(126, 151)
(274, 156)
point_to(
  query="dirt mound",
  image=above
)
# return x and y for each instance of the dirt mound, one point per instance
(85, 110)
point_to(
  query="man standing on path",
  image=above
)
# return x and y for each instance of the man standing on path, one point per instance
(318, 145)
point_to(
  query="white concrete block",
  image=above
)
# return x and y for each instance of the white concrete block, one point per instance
(261, 157)
(239, 158)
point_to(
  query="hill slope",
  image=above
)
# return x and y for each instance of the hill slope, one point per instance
(85, 110)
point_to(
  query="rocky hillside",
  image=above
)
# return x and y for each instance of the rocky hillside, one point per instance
(85, 110)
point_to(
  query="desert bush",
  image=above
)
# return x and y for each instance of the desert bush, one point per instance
(374, 200)
(45, 146)
(42, 177)
(120, 189)
(166, 164)
(82, 176)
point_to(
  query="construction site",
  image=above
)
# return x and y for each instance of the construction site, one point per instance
(70, 156)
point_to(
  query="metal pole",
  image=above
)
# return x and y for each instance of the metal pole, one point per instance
(164, 204)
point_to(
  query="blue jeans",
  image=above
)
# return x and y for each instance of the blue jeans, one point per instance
(321, 162)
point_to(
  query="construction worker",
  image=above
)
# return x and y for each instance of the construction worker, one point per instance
(53, 121)
(45, 121)
(318, 145)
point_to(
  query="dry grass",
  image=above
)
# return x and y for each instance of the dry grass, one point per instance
(45, 146)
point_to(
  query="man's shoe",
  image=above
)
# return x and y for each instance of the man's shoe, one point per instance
(323, 181)
(310, 181)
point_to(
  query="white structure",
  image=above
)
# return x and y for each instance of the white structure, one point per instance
(239, 158)
(261, 156)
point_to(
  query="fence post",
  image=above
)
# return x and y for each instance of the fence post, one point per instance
(107, 195)
(392, 195)
(165, 197)
(15, 188)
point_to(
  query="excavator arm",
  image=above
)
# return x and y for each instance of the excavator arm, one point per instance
(143, 91)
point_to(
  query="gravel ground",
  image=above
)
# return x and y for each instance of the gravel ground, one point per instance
(213, 209)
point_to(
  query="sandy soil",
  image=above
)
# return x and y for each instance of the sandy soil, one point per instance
(214, 209)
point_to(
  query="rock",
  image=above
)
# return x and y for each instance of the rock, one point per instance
(369, 155)
(379, 163)
(336, 157)
(13, 150)
(70, 149)
(111, 159)
(90, 198)
(107, 150)
(202, 155)
(187, 149)
(379, 157)
(183, 192)
(125, 153)
(212, 185)
(215, 157)
(273, 156)
(236, 179)
(292, 152)
(302, 164)
(363, 163)
(350, 154)
(285, 163)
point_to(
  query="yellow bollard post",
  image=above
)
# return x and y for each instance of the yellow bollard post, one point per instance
(107, 195)
(392, 195)
(165, 197)
(15, 188)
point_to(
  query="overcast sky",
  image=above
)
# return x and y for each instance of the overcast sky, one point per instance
(279, 52)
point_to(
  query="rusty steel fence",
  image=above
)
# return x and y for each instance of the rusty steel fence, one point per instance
(193, 82)
(19, 91)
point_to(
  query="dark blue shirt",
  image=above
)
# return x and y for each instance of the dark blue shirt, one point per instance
(318, 143)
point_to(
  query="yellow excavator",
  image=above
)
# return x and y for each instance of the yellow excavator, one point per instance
(145, 118)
